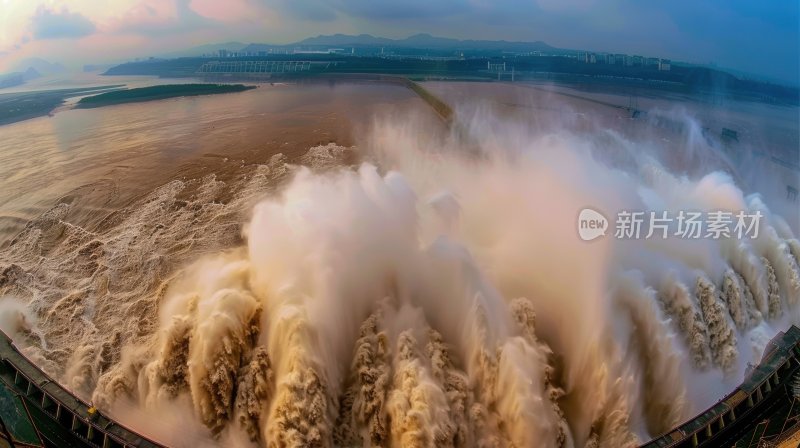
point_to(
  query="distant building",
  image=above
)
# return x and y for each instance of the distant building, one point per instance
(589, 58)
(663, 65)
(301, 51)
(637, 61)
(611, 59)
(223, 53)
(498, 68)
(651, 62)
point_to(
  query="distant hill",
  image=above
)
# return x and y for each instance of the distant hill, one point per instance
(429, 41)
(18, 78)
(205, 49)
(42, 67)
(97, 67)
(420, 41)
(28, 69)
(31, 73)
(11, 79)
(362, 40)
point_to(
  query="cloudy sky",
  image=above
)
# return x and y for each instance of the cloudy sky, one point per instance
(748, 35)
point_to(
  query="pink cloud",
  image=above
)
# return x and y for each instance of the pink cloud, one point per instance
(158, 16)
(147, 13)
(227, 11)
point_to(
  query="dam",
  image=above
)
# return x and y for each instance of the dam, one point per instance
(35, 411)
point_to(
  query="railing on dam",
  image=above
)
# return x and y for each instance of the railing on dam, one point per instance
(764, 391)
(35, 411)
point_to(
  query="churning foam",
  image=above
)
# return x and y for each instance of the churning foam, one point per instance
(437, 295)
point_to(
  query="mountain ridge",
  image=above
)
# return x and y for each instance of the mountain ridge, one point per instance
(421, 40)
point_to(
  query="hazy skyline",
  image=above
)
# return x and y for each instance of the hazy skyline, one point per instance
(755, 37)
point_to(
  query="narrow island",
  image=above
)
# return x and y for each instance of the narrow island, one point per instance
(19, 106)
(157, 93)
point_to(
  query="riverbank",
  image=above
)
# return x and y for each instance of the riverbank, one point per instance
(20, 106)
(161, 92)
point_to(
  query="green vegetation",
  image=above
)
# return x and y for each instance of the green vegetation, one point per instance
(25, 105)
(157, 93)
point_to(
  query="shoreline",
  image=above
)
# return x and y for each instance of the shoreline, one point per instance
(155, 93)
(21, 106)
